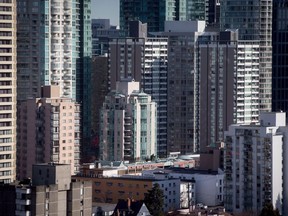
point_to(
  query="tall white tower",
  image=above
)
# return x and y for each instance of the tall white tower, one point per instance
(8, 91)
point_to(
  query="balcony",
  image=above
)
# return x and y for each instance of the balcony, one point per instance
(23, 202)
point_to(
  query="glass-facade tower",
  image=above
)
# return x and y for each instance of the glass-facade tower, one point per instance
(280, 56)
(54, 48)
(156, 12)
(253, 19)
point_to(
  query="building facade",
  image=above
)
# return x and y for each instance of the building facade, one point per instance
(102, 31)
(126, 56)
(8, 77)
(52, 133)
(255, 165)
(229, 88)
(54, 48)
(181, 113)
(253, 19)
(137, 57)
(213, 82)
(155, 13)
(154, 82)
(100, 78)
(54, 57)
(51, 192)
(280, 33)
(110, 190)
(205, 186)
(128, 124)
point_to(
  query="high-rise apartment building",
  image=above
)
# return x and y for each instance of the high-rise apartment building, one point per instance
(213, 12)
(253, 19)
(213, 82)
(50, 51)
(54, 48)
(183, 119)
(154, 82)
(48, 131)
(280, 60)
(256, 165)
(100, 88)
(228, 71)
(143, 59)
(126, 56)
(156, 12)
(128, 124)
(8, 73)
(102, 31)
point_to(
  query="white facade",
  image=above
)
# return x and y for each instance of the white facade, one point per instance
(255, 164)
(49, 51)
(185, 26)
(207, 187)
(128, 124)
(187, 194)
(170, 187)
(247, 76)
(8, 75)
(171, 190)
(154, 83)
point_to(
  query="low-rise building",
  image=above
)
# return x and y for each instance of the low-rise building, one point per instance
(206, 185)
(111, 189)
(51, 192)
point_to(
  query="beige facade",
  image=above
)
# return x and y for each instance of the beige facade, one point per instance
(51, 192)
(8, 91)
(109, 190)
(49, 131)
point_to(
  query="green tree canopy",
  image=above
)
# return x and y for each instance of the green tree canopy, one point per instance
(268, 210)
(154, 200)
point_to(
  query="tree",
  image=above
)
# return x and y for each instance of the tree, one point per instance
(268, 210)
(154, 200)
(152, 157)
(99, 211)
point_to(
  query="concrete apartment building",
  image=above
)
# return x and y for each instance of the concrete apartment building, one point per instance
(137, 57)
(131, 117)
(48, 131)
(256, 165)
(154, 82)
(228, 71)
(54, 48)
(50, 55)
(110, 189)
(206, 186)
(8, 92)
(213, 82)
(253, 19)
(51, 192)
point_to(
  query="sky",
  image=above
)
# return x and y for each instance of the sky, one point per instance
(106, 9)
